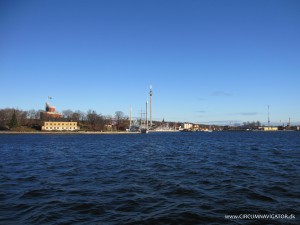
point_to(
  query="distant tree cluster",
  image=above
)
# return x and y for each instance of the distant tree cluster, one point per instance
(15, 119)
(251, 125)
(93, 121)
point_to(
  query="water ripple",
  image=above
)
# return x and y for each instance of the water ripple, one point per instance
(177, 178)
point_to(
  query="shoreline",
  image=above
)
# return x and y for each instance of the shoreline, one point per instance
(77, 132)
(115, 132)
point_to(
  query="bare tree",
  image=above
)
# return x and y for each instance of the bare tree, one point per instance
(119, 116)
(22, 117)
(95, 121)
(121, 120)
(5, 117)
(75, 116)
(32, 117)
(67, 113)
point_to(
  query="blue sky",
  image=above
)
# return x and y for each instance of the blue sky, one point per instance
(208, 61)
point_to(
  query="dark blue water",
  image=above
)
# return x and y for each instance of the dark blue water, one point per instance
(159, 178)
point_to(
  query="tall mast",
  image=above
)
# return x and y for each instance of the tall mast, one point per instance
(146, 114)
(141, 117)
(268, 116)
(130, 123)
(151, 105)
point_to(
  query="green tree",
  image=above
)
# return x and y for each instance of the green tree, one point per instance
(14, 121)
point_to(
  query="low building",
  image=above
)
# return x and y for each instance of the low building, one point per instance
(108, 127)
(196, 127)
(60, 126)
(270, 128)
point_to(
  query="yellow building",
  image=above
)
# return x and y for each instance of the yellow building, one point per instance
(60, 126)
(270, 128)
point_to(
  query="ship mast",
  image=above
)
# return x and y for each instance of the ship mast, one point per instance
(268, 116)
(147, 115)
(130, 121)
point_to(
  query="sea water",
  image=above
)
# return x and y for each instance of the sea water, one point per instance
(155, 178)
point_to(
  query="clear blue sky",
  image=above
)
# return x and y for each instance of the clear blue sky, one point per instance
(208, 61)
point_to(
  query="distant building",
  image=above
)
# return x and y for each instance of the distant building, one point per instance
(196, 127)
(53, 121)
(270, 128)
(108, 127)
(60, 126)
(187, 126)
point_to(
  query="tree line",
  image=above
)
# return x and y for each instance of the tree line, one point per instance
(16, 119)
(251, 125)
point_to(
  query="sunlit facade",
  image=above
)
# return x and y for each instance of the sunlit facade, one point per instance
(60, 126)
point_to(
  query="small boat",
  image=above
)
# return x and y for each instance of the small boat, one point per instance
(209, 130)
(185, 130)
(144, 131)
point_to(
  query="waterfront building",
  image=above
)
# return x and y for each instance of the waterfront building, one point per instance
(196, 127)
(187, 126)
(60, 126)
(269, 128)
